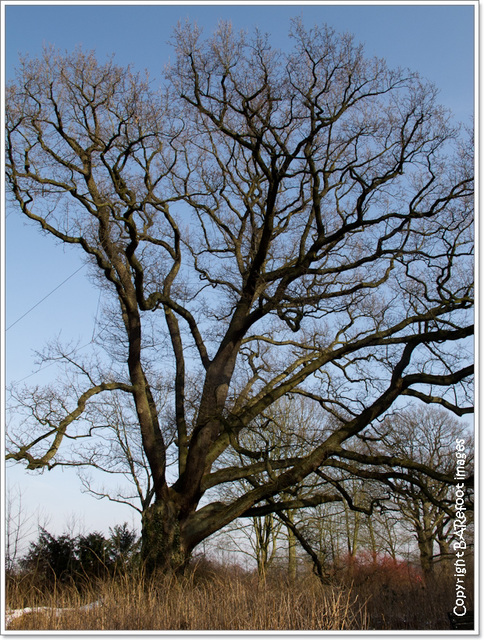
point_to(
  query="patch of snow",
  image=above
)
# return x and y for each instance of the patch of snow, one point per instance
(13, 614)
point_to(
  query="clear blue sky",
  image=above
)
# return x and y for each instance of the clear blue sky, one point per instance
(437, 40)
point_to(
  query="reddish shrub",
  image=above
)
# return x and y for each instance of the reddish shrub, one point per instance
(381, 568)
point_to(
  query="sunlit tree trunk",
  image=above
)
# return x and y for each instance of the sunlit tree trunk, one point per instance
(291, 550)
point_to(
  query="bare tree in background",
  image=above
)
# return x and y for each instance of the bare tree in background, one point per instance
(20, 525)
(289, 223)
(428, 435)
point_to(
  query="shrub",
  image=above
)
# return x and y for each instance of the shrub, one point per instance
(66, 559)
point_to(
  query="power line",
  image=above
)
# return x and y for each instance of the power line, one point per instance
(76, 350)
(45, 297)
(46, 366)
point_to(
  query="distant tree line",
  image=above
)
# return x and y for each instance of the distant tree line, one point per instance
(379, 515)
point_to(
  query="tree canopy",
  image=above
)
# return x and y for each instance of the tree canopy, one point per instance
(267, 225)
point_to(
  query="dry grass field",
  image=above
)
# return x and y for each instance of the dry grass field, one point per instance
(224, 598)
(218, 602)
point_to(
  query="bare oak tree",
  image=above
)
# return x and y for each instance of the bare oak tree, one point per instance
(291, 223)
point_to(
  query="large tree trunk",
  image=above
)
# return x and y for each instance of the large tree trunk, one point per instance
(163, 546)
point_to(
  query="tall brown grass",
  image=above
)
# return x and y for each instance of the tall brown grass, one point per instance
(380, 596)
(218, 600)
